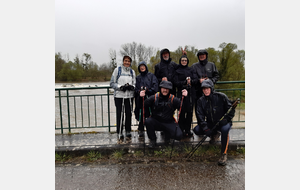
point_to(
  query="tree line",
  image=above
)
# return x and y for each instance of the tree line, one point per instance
(229, 61)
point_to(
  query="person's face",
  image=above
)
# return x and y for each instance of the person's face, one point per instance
(143, 68)
(166, 56)
(206, 91)
(164, 91)
(202, 57)
(183, 61)
(126, 62)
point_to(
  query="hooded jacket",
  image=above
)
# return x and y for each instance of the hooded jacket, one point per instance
(205, 69)
(124, 78)
(165, 68)
(146, 79)
(212, 107)
(181, 74)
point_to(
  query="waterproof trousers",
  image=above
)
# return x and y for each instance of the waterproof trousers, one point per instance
(139, 112)
(224, 135)
(169, 129)
(126, 116)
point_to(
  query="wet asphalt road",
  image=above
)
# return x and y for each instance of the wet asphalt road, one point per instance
(186, 175)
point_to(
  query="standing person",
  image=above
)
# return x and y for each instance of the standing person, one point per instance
(164, 104)
(185, 78)
(165, 69)
(123, 83)
(210, 109)
(204, 70)
(148, 83)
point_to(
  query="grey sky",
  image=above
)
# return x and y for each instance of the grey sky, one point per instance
(95, 26)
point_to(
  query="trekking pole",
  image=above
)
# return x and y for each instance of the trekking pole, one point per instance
(131, 108)
(144, 125)
(121, 119)
(176, 125)
(233, 106)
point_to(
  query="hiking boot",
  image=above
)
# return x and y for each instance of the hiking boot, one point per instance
(128, 134)
(214, 138)
(141, 133)
(152, 144)
(222, 160)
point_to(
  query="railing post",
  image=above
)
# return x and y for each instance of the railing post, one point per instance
(69, 124)
(108, 109)
(60, 112)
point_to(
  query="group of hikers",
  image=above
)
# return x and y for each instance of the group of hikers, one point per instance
(156, 100)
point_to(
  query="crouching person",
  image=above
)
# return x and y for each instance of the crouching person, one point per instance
(163, 105)
(210, 109)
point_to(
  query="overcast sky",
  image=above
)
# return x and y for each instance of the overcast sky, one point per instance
(95, 26)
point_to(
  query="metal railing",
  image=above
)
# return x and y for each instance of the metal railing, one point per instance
(91, 107)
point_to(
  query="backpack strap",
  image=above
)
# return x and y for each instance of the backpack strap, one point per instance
(171, 97)
(131, 73)
(120, 71)
(156, 99)
(170, 100)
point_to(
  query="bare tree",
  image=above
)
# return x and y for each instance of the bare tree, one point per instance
(113, 57)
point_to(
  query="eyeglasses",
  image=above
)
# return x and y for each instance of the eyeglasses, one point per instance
(183, 60)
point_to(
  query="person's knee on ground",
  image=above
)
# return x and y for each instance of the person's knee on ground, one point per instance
(198, 130)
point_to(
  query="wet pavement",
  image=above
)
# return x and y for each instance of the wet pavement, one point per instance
(106, 140)
(187, 175)
(173, 174)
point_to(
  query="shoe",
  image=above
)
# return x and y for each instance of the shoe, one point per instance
(214, 138)
(141, 133)
(152, 144)
(128, 134)
(222, 160)
(121, 137)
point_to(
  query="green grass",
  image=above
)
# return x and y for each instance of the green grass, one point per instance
(138, 153)
(118, 154)
(62, 157)
(241, 150)
(93, 155)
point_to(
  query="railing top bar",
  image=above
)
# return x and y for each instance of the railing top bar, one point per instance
(83, 88)
(107, 86)
(230, 82)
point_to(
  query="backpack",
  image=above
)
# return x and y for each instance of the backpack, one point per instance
(120, 71)
(170, 101)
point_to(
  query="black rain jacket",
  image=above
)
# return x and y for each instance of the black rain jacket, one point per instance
(164, 109)
(166, 69)
(205, 69)
(144, 79)
(210, 109)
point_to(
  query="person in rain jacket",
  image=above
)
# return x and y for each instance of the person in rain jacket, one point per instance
(185, 78)
(123, 82)
(211, 107)
(165, 69)
(204, 70)
(148, 83)
(163, 105)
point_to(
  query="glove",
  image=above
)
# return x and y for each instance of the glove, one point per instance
(130, 87)
(123, 88)
(223, 122)
(208, 132)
